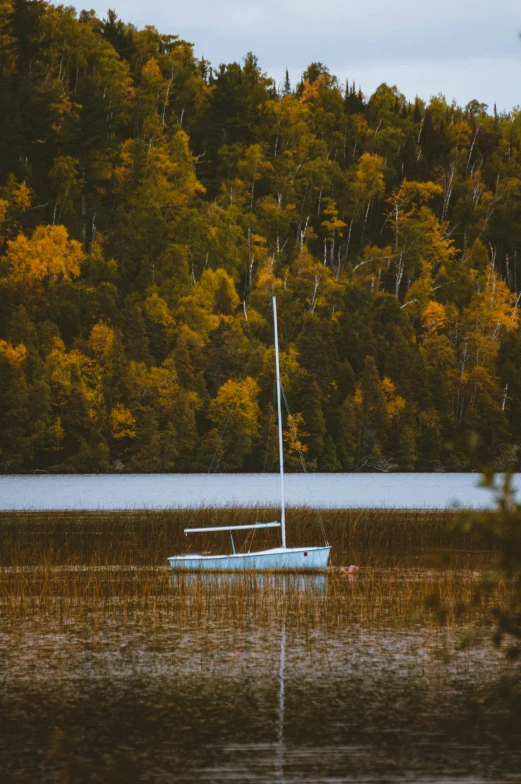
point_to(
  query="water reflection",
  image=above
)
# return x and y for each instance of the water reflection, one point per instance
(279, 766)
(288, 583)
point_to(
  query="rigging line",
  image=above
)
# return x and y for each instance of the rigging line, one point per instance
(304, 468)
(232, 407)
(251, 540)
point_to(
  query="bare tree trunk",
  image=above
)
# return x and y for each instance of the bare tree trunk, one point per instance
(460, 388)
(315, 292)
(472, 146)
(84, 222)
(399, 275)
(503, 404)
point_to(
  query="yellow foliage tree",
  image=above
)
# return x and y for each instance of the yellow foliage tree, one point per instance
(492, 311)
(15, 354)
(368, 179)
(434, 317)
(213, 295)
(157, 310)
(101, 339)
(294, 434)
(72, 368)
(4, 206)
(21, 196)
(49, 255)
(395, 403)
(55, 435)
(122, 422)
(158, 384)
(236, 407)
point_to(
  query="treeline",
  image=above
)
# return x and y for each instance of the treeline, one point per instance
(151, 205)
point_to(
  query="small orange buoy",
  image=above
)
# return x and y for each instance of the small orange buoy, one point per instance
(351, 573)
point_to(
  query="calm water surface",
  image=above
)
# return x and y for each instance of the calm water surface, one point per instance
(145, 676)
(159, 491)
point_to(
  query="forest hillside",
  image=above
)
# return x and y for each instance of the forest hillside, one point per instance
(151, 205)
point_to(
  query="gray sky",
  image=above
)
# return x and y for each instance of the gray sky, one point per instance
(462, 48)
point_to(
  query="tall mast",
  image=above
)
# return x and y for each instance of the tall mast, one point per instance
(279, 409)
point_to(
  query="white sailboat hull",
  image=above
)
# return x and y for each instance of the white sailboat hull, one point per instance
(279, 559)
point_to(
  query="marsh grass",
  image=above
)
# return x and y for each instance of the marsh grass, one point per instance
(55, 598)
(94, 567)
(147, 538)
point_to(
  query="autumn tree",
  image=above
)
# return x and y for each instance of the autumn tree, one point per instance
(152, 205)
(235, 413)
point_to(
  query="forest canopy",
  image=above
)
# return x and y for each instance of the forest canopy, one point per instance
(150, 207)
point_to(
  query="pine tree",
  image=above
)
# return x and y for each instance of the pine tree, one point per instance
(329, 460)
(187, 439)
(146, 456)
(406, 448)
(15, 447)
(347, 435)
(266, 450)
(169, 449)
(135, 334)
(373, 415)
(210, 453)
(286, 90)
(305, 397)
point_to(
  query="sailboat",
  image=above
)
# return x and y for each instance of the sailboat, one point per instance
(281, 558)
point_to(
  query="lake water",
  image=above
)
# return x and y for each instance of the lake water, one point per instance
(160, 491)
(116, 669)
(118, 675)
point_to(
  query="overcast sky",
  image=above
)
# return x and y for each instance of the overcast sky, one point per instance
(462, 48)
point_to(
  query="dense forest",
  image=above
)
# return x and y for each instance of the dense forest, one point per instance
(151, 205)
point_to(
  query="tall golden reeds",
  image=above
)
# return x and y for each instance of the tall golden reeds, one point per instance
(147, 538)
(95, 568)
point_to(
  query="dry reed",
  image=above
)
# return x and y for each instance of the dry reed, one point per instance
(96, 567)
(148, 537)
(57, 597)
